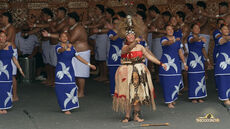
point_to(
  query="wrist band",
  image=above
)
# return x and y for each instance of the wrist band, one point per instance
(207, 60)
(49, 34)
(185, 64)
(76, 54)
(161, 64)
(88, 64)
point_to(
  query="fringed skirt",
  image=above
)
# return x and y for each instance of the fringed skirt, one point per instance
(133, 85)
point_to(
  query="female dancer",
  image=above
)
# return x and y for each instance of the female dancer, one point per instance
(133, 80)
(222, 69)
(196, 71)
(6, 54)
(171, 78)
(65, 86)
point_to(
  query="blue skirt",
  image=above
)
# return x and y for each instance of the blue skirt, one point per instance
(223, 82)
(5, 95)
(171, 87)
(196, 85)
(67, 95)
(112, 71)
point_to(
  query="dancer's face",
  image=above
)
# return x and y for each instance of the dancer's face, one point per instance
(225, 30)
(169, 30)
(2, 37)
(173, 21)
(71, 21)
(196, 29)
(220, 22)
(64, 37)
(130, 38)
(223, 9)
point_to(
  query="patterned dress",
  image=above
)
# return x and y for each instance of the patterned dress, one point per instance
(216, 33)
(196, 72)
(178, 34)
(222, 71)
(6, 78)
(114, 58)
(65, 86)
(170, 78)
(133, 82)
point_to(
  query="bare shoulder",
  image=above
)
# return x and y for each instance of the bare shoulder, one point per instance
(9, 44)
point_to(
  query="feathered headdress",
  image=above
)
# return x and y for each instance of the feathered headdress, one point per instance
(131, 24)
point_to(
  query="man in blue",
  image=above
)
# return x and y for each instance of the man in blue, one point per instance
(114, 56)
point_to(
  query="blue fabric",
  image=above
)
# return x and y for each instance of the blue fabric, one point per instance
(197, 85)
(215, 50)
(222, 66)
(196, 73)
(170, 78)
(223, 87)
(65, 86)
(170, 54)
(178, 34)
(6, 78)
(195, 49)
(114, 57)
(222, 70)
(171, 87)
(112, 72)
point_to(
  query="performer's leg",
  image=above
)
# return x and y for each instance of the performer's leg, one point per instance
(136, 113)
(81, 86)
(127, 115)
(15, 95)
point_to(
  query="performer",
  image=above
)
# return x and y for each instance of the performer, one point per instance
(171, 78)
(156, 27)
(78, 38)
(48, 48)
(184, 30)
(196, 71)
(222, 69)
(7, 21)
(6, 55)
(102, 42)
(65, 86)
(216, 34)
(224, 12)
(190, 18)
(133, 80)
(203, 20)
(114, 58)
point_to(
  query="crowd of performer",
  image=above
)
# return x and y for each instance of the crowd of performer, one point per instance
(124, 45)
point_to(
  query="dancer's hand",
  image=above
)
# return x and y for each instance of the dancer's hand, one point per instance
(138, 40)
(186, 67)
(20, 70)
(45, 33)
(93, 67)
(164, 66)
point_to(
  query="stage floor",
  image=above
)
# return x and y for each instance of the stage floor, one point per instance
(38, 109)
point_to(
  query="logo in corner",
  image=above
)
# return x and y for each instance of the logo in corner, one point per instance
(208, 118)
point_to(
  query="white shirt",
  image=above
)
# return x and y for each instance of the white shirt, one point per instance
(26, 46)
